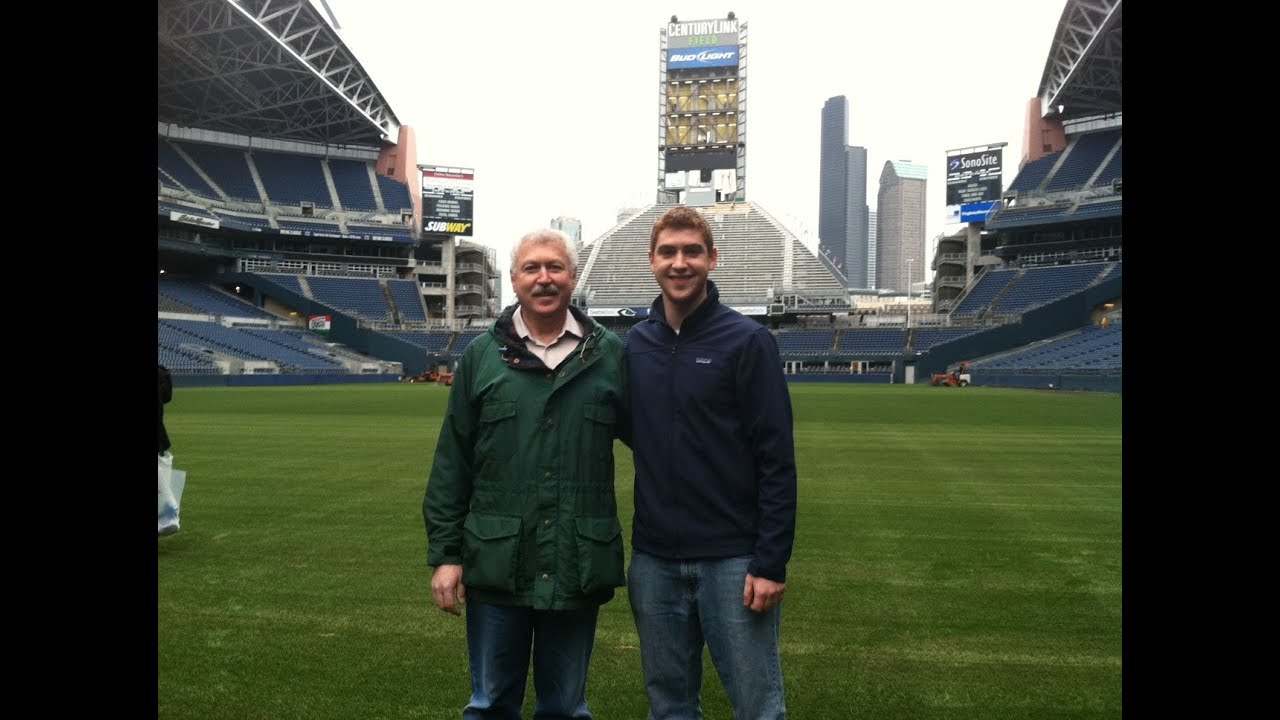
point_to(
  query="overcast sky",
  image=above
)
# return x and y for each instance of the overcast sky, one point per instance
(555, 104)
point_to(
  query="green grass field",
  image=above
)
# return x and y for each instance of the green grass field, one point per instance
(958, 555)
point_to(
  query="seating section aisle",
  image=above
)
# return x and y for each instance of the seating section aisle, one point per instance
(205, 299)
(989, 286)
(226, 166)
(404, 293)
(351, 178)
(395, 194)
(1086, 153)
(245, 344)
(358, 296)
(1093, 349)
(1041, 285)
(168, 160)
(293, 179)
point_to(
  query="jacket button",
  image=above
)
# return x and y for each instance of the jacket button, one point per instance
(546, 576)
(546, 474)
(547, 522)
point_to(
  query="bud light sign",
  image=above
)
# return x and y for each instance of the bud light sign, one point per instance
(683, 58)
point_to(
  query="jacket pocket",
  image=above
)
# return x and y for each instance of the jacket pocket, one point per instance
(601, 413)
(601, 427)
(497, 437)
(600, 562)
(490, 549)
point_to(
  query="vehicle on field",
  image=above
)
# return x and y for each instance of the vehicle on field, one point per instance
(954, 376)
(431, 375)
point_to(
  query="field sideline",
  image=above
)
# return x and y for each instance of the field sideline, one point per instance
(958, 555)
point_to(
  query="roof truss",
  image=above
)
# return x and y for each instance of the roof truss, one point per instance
(1083, 75)
(270, 68)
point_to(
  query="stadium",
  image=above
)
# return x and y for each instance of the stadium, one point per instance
(299, 241)
(958, 551)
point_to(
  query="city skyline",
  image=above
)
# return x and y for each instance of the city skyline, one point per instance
(568, 127)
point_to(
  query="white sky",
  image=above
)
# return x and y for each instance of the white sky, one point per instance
(555, 104)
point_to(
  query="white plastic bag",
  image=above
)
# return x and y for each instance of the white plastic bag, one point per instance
(169, 496)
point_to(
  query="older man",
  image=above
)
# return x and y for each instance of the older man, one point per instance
(521, 516)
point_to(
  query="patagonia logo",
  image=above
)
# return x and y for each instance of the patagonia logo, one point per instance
(703, 361)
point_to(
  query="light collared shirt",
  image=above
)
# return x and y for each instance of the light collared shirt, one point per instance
(557, 350)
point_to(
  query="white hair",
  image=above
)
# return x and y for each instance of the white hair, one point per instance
(541, 237)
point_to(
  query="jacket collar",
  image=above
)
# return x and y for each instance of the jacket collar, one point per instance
(512, 348)
(658, 310)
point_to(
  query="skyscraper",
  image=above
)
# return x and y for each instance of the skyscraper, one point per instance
(569, 226)
(842, 196)
(856, 249)
(900, 227)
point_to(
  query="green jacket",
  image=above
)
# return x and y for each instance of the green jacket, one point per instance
(521, 488)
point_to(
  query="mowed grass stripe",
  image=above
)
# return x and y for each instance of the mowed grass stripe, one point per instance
(958, 555)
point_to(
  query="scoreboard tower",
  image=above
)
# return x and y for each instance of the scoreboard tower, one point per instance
(702, 111)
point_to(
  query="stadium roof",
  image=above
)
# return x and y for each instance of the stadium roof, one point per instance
(265, 69)
(1083, 74)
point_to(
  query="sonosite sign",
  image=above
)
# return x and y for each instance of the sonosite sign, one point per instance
(974, 176)
(447, 200)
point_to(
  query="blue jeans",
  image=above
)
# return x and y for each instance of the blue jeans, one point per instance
(680, 605)
(500, 639)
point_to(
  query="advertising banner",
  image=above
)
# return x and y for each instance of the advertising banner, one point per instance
(978, 212)
(636, 312)
(193, 219)
(447, 200)
(684, 58)
(973, 191)
(335, 233)
(319, 323)
(702, 33)
(974, 177)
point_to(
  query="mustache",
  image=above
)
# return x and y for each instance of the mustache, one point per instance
(545, 290)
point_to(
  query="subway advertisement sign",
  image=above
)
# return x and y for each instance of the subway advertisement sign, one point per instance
(447, 200)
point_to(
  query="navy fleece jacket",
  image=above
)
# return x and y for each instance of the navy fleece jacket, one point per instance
(712, 439)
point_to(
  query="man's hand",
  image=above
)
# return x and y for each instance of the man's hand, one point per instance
(448, 590)
(760, 594)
